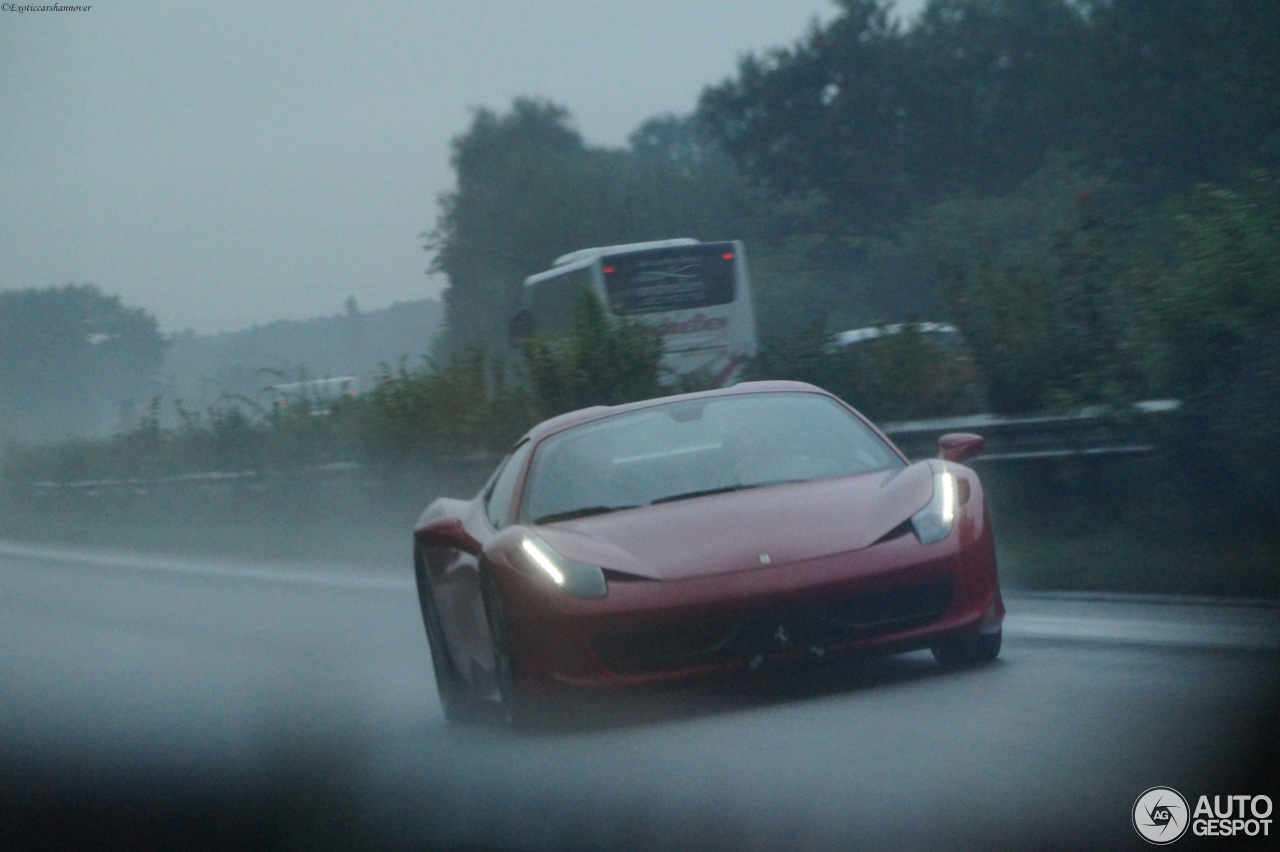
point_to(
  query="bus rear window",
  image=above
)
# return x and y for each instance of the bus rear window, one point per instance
(673, 279)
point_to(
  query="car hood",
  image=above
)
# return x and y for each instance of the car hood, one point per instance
(741, 530)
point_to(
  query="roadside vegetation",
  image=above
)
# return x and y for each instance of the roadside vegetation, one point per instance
(1094, 207)
(344, 479)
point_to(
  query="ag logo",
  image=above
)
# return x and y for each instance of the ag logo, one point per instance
(1160, 815)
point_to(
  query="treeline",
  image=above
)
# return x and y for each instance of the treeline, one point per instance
(881, 121)
(1084, 187)
(72, 361)
(200, 369)
(76, 362)
(852, 160)
(416, 416)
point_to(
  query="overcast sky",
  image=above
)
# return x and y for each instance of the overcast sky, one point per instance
(227, 164)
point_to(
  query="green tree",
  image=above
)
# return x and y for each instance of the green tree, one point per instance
(529, 189)
(995, 86)
(515, 186)
(1216, 308)
(1052, 323)
(879, 121)
(70, 358)
(823, 116)
(1183, 91)
(679, 182)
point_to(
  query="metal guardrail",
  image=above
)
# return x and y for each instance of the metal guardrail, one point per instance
(251, 480)
(1093, 431)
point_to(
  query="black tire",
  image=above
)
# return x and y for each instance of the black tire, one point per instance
(971, 649)
(456, 697)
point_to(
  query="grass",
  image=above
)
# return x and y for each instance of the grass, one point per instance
(1136, 525)
(1116, 560)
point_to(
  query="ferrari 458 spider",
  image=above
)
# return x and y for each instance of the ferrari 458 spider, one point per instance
(722, 531)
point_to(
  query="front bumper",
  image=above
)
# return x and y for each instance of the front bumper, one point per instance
(897, 595)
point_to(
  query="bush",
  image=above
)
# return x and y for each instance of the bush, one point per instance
(1058, 330)
(600, 362)
(1215, 311)
(905, 374)
(464, 407)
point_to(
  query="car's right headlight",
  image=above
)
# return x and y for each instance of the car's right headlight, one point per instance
(933, 523)
(575, 578)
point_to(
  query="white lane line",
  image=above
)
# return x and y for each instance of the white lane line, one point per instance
(280, 573)
(1147, 632)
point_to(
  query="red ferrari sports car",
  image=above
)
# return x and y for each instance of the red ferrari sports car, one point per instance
(702, 533)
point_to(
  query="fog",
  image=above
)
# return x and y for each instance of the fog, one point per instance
(209, 628)
(227, 166)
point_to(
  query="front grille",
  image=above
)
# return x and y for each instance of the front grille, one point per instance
(892, 610)
(771, 629)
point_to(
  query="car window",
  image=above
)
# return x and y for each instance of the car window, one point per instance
(694, 447)
(497, 499)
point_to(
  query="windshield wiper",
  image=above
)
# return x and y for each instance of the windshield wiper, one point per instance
(723, 490)
(765, 482)
(702, 493)
(584, 512)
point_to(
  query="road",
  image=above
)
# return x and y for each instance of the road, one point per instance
(152, 701)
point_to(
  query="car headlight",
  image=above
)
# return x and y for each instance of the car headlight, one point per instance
(933, 523)
(576, 578)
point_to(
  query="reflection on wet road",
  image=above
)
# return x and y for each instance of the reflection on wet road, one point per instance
(285, 705)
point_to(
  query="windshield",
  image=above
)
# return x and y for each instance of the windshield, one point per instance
(694, 448)
(673, 279)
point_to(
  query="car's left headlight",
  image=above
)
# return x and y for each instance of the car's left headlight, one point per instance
(576, 578)
(933, 523)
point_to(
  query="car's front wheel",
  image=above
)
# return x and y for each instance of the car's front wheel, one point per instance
(970, 649)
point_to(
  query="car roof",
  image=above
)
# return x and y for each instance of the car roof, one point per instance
(598, 412)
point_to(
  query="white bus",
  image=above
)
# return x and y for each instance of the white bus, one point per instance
(695, 295)
(320, 394)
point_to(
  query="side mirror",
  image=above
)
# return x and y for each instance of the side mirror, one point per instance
(959, 447)
(448, 531)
